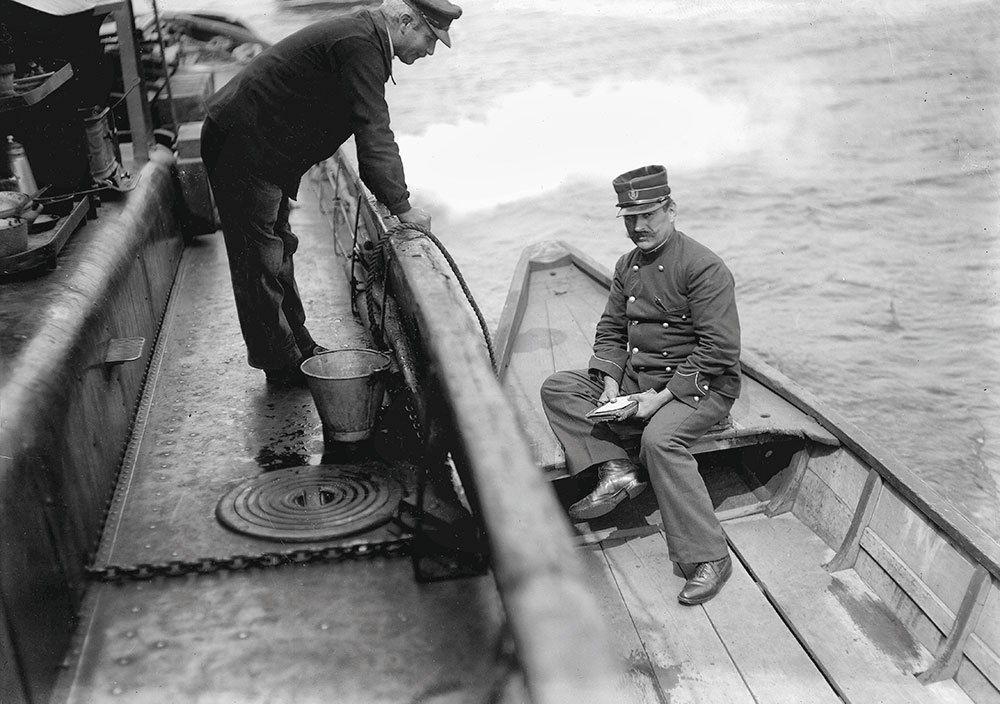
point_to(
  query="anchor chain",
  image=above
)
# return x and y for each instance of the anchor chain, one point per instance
(398, 547)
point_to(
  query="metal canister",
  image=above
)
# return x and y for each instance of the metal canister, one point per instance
(17, 161)
(101, 145)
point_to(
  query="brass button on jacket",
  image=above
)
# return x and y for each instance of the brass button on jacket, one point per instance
(684, 308)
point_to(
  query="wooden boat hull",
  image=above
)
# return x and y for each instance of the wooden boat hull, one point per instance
(886, 588)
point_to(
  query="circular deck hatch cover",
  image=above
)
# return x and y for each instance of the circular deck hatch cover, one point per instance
(306, 504)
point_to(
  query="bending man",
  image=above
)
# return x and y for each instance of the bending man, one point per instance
(294, 105)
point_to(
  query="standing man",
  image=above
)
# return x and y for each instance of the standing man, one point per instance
(291, 107)
(669, 338)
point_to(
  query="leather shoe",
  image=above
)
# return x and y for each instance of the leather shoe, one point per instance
(706, 581)
(285, 376)
(617, 480)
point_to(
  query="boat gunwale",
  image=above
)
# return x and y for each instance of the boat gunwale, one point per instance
(560, 637)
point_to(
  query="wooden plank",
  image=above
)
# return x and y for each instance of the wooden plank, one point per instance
(987, 636)
(139, 120)
(821, 509)
(939, 612)
(901, 604)
(843, 473)
(561, 640)
(638, 683)
(976, 685)
(773, 663)
(784, 499)
(689, 661)
(926, 551)
(986, 661)
(861, 648)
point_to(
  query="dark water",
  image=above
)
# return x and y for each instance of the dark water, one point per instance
(842, 158)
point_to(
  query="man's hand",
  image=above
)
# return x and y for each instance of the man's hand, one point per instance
(650, 402)
(416, 216)
(610, 391)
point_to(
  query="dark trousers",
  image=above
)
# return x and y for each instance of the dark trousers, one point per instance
(259, 244)
(692, 531)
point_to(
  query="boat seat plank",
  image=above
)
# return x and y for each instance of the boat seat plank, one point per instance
(758, 416)
(861, 647)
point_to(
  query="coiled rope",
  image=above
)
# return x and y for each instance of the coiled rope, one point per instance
(401, 227)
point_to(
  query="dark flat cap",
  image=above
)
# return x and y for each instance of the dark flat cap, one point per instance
(641, 190)
(439, 15)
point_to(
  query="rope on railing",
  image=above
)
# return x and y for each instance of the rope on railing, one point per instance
(396, 229)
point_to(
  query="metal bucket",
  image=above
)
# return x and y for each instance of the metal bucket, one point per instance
(347, 387)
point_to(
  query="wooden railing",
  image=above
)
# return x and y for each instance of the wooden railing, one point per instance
(562, 642)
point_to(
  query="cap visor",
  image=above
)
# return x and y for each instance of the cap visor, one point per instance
(442, 34)
(639, 209)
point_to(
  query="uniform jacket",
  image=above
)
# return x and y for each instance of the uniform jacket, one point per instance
(671, 321)
(299, 100)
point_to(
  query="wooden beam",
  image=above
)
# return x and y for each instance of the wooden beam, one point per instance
(139, 119)
(562, 642)
(948, 659)
(849, 547)
(784, 498)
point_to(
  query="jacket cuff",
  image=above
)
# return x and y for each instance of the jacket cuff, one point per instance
(608, 367)
(690, 388)
(399, 206)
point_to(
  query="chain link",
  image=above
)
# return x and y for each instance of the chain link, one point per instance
(397, 547)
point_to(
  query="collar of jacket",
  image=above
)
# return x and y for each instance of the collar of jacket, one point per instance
(659, 251)
(382, 32)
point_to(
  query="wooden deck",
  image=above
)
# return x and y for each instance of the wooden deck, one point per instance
(783, 631)
(354, 631)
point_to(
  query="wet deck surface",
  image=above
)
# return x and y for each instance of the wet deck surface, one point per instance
(356, 631)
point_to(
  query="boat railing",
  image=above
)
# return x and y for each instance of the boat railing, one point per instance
(561, 639)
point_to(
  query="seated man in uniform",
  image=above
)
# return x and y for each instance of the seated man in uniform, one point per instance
(669, 338)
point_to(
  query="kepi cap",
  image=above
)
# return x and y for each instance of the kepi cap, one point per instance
(439, 15)
(641, 190)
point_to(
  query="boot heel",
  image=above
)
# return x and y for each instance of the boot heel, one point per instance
(635, 488)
